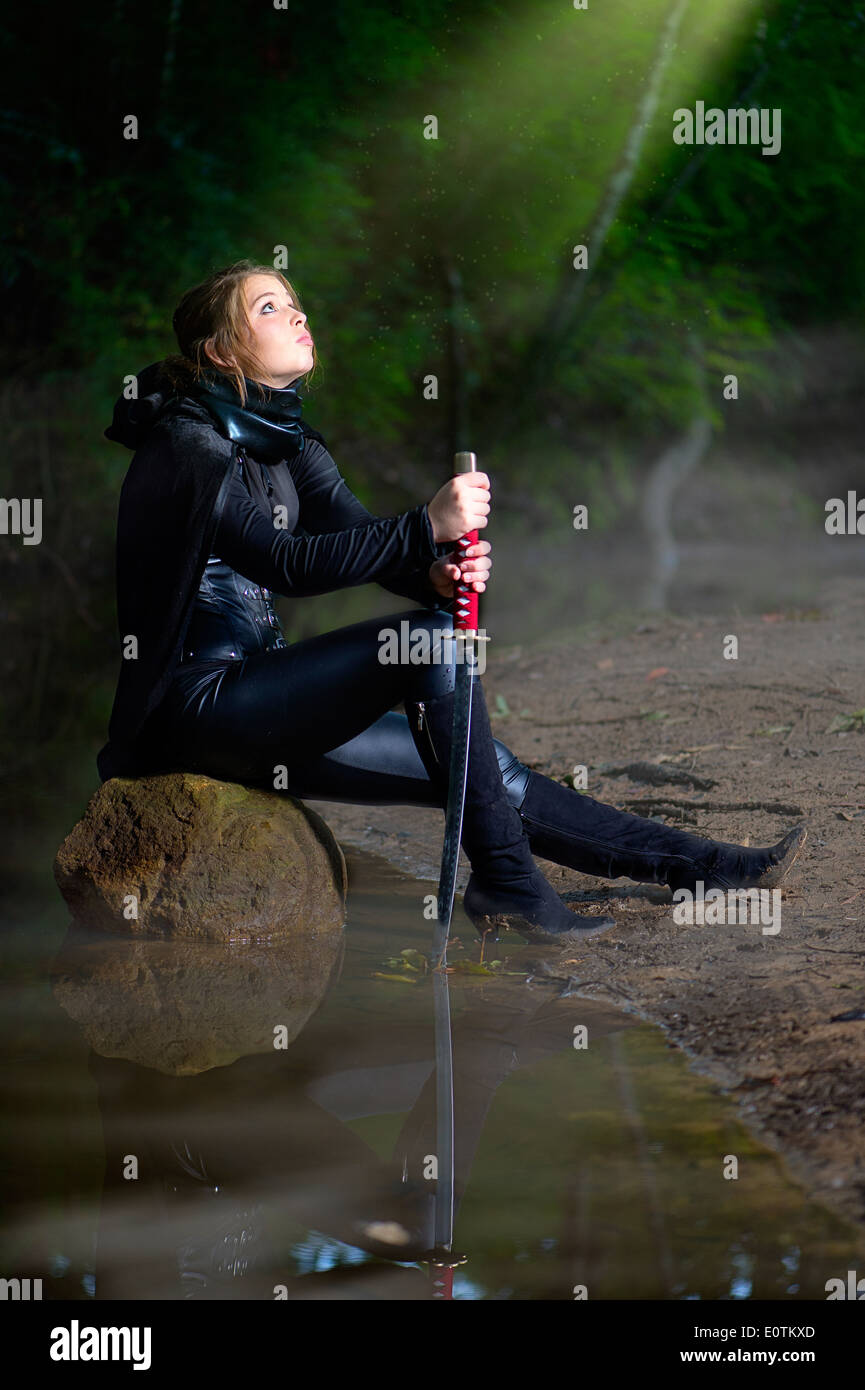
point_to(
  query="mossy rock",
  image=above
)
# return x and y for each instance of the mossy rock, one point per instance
(181, 856)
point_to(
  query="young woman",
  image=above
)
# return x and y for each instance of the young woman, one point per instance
(231, 497)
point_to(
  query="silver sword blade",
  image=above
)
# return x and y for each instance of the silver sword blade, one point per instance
(444, 1204)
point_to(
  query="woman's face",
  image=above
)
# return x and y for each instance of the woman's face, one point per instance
(277, 330)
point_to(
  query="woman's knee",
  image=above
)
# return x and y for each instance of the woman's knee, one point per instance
(423, 643)
(515, 775)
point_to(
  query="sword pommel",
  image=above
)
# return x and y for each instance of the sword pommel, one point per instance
(465, 462)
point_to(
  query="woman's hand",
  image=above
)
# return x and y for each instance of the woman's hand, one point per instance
(475, 569)
(462, 505)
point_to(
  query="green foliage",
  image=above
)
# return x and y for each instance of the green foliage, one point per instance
(304, 128)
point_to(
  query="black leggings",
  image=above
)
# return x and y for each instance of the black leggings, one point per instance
(323, 709)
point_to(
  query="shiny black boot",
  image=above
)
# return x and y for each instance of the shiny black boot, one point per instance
(506, 887)
(573, 829)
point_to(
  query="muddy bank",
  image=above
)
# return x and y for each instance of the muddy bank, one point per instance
(771, 730)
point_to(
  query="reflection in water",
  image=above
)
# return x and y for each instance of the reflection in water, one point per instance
(182, 1007)
(305, 1167)
(210, 1174)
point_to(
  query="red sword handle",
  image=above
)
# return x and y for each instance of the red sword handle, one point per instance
(466, 598)
(466, 605)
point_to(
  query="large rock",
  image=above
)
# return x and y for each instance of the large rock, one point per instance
(182, 856)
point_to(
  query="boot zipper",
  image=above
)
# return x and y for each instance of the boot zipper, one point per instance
(421, 710)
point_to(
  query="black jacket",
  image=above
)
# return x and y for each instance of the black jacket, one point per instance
(173, 497)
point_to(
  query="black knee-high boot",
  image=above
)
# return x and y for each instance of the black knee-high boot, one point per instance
(506, 887)
(571, 828)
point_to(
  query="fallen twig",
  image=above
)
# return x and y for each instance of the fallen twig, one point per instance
(655, 775)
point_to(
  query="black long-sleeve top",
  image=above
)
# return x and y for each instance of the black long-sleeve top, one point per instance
(311, 535)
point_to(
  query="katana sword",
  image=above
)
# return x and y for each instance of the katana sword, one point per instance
(441, 1258)
(465, 631)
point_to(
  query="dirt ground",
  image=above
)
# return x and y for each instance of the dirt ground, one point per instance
(758, 1014)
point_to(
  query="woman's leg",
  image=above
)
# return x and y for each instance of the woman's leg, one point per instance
(248, 721)
(322, 709)
(506, 888)
(285, 708)
(571, 828)
(381, 767)
(200, 726)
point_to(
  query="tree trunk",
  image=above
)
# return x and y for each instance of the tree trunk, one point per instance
(664, 481)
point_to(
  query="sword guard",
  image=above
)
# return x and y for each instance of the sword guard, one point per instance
(443, 1259)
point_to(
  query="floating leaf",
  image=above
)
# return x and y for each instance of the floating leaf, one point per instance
(415, 959)
(501, 707)
(470, 967)
(401, 979)
(394, 963)
(769, 729)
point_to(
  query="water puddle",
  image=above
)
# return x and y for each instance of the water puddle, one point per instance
(165, 1148)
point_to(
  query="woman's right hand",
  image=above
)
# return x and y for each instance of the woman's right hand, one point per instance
(462, 505)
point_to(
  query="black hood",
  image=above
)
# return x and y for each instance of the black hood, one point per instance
(270, 425)
(134, 419)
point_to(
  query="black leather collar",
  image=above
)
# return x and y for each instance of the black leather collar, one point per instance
(270, 426)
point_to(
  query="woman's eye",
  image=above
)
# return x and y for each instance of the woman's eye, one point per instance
(268, 305)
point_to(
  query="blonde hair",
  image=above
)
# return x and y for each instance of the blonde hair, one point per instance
(213, 315)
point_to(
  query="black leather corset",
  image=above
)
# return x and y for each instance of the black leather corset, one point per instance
(233, 617)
